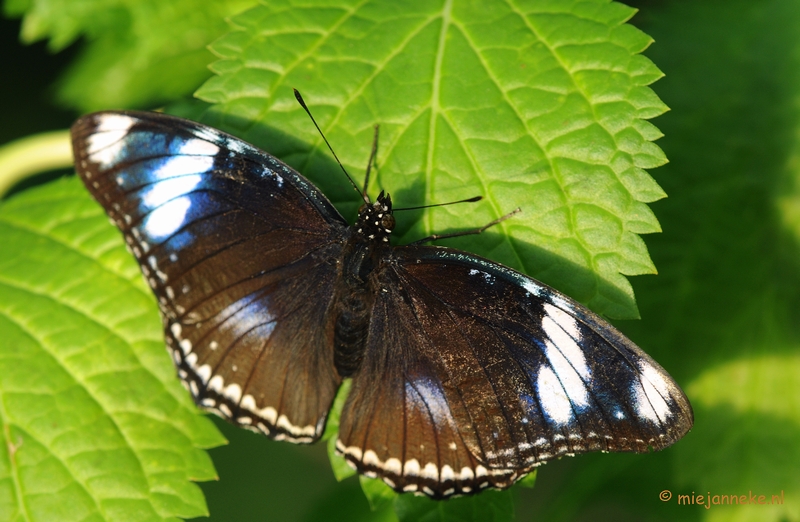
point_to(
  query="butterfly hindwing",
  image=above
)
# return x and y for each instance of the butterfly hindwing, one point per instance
(490, 373)
(232, 242)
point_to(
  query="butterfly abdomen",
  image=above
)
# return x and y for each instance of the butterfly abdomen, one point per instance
(352, 305)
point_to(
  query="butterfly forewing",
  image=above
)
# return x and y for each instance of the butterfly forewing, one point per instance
(497, 367)
(232, 242)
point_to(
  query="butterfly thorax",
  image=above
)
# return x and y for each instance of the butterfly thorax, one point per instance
(354, 293)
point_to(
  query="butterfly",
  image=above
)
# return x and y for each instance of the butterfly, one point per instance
(465, 373)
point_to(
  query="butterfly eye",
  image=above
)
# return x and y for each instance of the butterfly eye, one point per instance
(361, 208)
(387, 222)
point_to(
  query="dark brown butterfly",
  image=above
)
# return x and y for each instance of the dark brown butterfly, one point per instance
(466, 374)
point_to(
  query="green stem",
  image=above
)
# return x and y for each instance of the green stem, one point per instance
(33, 155)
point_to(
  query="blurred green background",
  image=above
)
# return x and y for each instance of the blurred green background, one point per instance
(722, 316)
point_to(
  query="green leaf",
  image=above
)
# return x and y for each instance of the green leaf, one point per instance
(378, 494)
(537, 105)
(489, 506)
(139, 53)
(94, 423)
(529, 480)
(341, 469)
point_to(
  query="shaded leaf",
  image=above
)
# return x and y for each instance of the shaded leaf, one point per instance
(489, 506)
(137, 53)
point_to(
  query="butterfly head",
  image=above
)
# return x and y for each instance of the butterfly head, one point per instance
(375, 220)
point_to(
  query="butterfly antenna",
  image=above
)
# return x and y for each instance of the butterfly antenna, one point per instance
(305, 107)
(470, 200)
(372, 155)
(468, 232)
